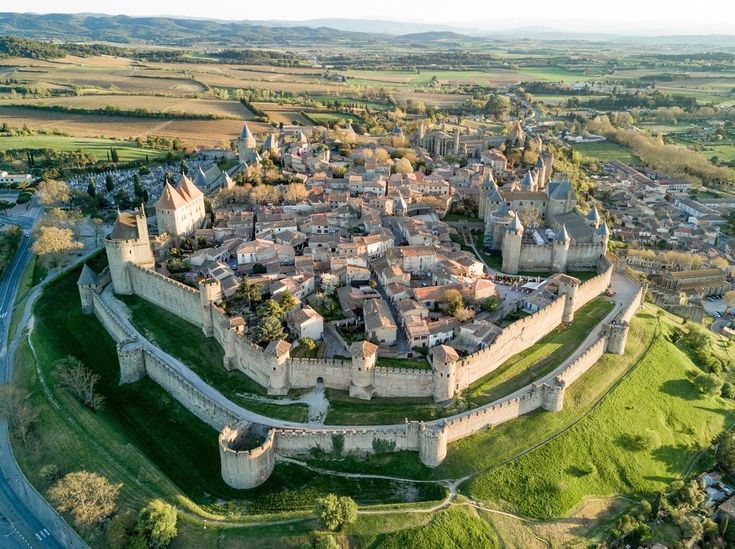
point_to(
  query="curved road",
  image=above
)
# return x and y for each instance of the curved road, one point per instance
(26, 519)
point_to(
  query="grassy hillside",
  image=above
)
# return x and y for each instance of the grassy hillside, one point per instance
(642, 437)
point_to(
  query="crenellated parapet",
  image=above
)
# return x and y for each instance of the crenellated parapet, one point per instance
(247, 454)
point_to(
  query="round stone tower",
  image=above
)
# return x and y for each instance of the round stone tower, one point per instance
(432, 444)
(617, 336)
(560, 250)
(364, 356)
(512, 246)
(552, 396)
(128, 244)
(278, 353)
(247, 454)
(444, 362)
(496, 223)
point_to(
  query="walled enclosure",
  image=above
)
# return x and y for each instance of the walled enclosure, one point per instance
(279, 373)
(249, 468)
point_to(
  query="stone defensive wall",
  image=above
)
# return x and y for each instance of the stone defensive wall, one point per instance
(279, 374)
(589, 289)
(175, 297)
(249, 442)
(516, 337)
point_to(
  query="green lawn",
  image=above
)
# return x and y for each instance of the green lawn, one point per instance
(205, 357)
(540, 359)
(413, 363)
(143, 437)
(606, 151)
(456, 527)
(640, 439)
(127, 150)
(344, 410)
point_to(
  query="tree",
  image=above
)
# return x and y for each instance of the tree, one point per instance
(270, 308)
(402, 165)
(120, 529)
(729, 298)
(157, 523)
(109, 183)
(463, 314)
(52, 242)
(18, 412)
(89, 497)
(708, 384)
(80, 381)
(296, 192)
(53, 193)
(91, 190)
(490, 304)
(99, 228)
(268, 328)
(287, 301)
(453, 299)
(307, 343)
(726, 454)
(336, 512)
(259, 268)
(329, 283)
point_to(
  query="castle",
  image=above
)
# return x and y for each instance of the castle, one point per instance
(180, 210)
(537, 226)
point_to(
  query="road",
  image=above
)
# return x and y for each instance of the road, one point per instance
(26, 519)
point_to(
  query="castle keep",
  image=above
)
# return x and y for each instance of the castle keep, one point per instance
(537, 226)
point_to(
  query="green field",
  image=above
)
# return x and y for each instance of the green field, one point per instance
(99, 148)
(144, 438)
(539, 359)
(606, 151)
(330, 117)
(641, 438)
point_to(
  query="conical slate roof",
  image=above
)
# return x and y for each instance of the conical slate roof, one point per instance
(515, 225)
(562, 235)
(593, 215)
(527, 180)
(87, 277)
(603, 230)
(540, 162)
(246, 133)
(495, 196)
(502, 210)
(201, 178)
(489, 182)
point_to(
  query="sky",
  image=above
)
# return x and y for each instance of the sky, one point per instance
(619, 16)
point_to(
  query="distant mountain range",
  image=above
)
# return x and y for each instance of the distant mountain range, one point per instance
(189, 32)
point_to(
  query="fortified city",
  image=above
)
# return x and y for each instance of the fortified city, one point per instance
(361, 283)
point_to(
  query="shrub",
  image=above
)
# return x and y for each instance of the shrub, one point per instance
(157, 523)
(728, 390)
(50, 472)
(381, 446)
(336, 512)
(89, 497)
(338, 443)
(708, 384)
